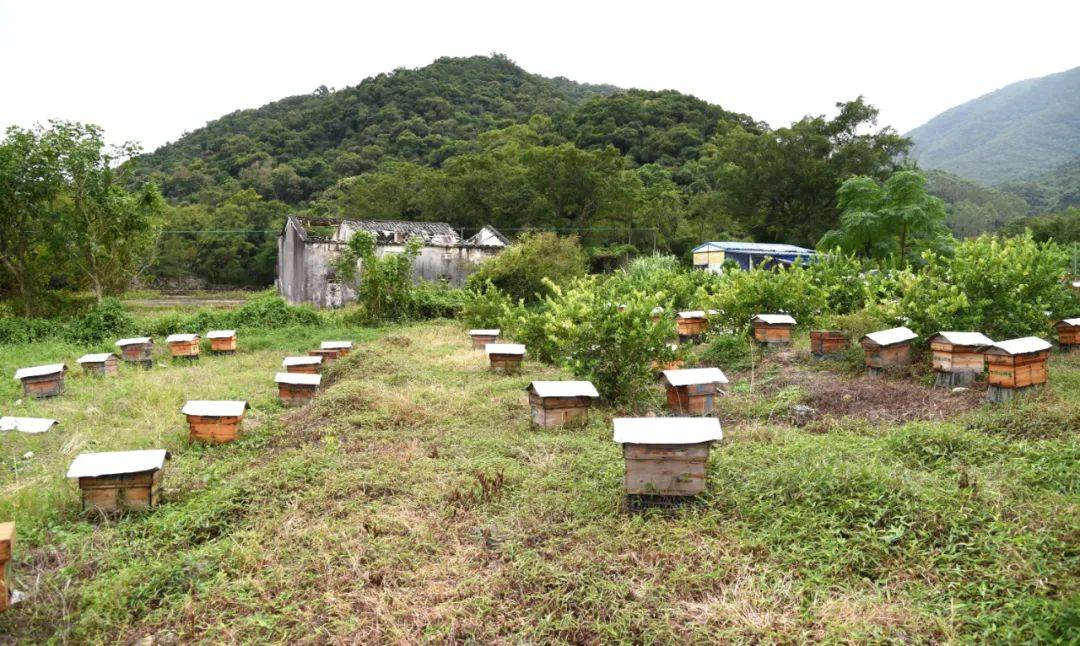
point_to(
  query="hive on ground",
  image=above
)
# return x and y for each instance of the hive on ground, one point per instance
(665, 456)
(119, 481)
(558, 403)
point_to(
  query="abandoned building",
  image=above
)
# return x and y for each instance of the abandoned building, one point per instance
(308, 247)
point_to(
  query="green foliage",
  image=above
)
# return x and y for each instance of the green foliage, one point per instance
(1002, 287)
(731, 352)
(384, 289)
(892, 222)
(1063, 228)
(484, 306)
(107, 320)
(742, 294)
(1054, 191)
(973, 208)
(529, 268)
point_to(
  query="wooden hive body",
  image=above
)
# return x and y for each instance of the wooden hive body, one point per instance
(43, 386)
(481, 340)
(7, 547)
(548, 412)
(691, 327)
(696, 399)
(772, 333)
(665, 469)
(184, 349)
(140, 353)
(307, 369)
(824, 343)
(1068, 335)
(1014, 371)
(223, 345)
(880, 358)
(110, 366)
(507, 363)
(214, 429)
(296, 394)
(327, 355)
(121, 492)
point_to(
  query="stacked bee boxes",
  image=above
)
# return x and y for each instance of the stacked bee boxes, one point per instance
(216, 422)
(958, 358)
(1017, 365)
(693, 391)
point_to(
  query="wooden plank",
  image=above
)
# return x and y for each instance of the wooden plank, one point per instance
(667, 470)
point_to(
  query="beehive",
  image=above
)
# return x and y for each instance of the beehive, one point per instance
(40, 382)
(137, 350)
(119, 481)
(958, 358)
(559, 403)
(303, 365)
(1015, 365)
(1068, 331)
(887, 350)
(183, 346)
(827, 343)
(7, 549)
(772, 329)
(658, 367)
(30, 425)
(295, 388)
(481, 338)
(665, 456)
(657, 314)
(216, 422)
(342, 348)
(99, 365)
(691, 325)
(693, 391)
(222, 341)
(326, 356)
(505, 357)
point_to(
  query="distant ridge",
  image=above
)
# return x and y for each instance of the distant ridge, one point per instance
(1013, 134)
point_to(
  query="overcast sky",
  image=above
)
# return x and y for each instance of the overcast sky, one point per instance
(149, 71)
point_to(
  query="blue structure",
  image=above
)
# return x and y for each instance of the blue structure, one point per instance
(710, 256)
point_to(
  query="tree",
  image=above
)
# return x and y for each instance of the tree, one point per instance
(108, 232)
(385, 286)
(894, 221)
(29, 184)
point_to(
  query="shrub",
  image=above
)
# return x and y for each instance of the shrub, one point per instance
(385, 286)
(16, 329)
(105, 321)
(519, 271)
(741, 294)
(484, 306)
(729, 351)
(432, 300)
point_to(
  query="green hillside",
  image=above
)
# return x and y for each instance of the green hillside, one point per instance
(1012, 134)
(1053, 191)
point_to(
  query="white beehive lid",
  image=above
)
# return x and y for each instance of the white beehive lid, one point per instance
(138, 340)
(26, 424)
(695, 376)
(774, 319)
(1023, 345)
(335, 345)
(564, 388)
(111, 463)
(657, 310)
(181, 338)
(976, 339)
(301, 361)
(298, 378)
(493, 332)
(1071, 322)
(40, 371)
(504, 348)
(666, 430)
(221, 334)
(692, 314)
(214, 408)
(891, 336)
(95, 358)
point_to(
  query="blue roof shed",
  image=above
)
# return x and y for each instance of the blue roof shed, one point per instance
(711, 255)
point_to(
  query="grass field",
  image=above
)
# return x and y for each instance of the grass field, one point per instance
(413, 502)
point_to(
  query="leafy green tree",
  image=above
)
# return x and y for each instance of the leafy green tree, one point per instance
(529, 268)
(893, 221)
(384, 287)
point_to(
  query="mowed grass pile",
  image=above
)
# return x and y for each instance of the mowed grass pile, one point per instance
(412, 501)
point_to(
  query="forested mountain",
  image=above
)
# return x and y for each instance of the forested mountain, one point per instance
(478, 140)
(1010, 135)
(972, 207)
(1053, 191)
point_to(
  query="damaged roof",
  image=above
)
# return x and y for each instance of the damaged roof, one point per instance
(395, 232)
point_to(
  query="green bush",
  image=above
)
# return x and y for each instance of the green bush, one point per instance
(729, 352)
(484, 306)
(521, 269)
(741, 294)
(431, 300)
(105, 321)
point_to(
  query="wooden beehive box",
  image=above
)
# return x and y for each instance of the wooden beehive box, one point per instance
(183, 346)
(1068, 332)
(342, 348)
(216, 422)
(958, 357)
(825, 343)
(222, 341)
(693, 391)
(7, 548)
(666, 456)
(42, 381)
(505, 357)
(327, 356)
(658, 367)
(559, 403)
(887, 350)
(119, 481)
(1016, 365)
(30, 425)
(303, 365)
(772, 329)
(296, 388)
(138, 350)
(481, 338)
(691, 325)
(99, 365)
